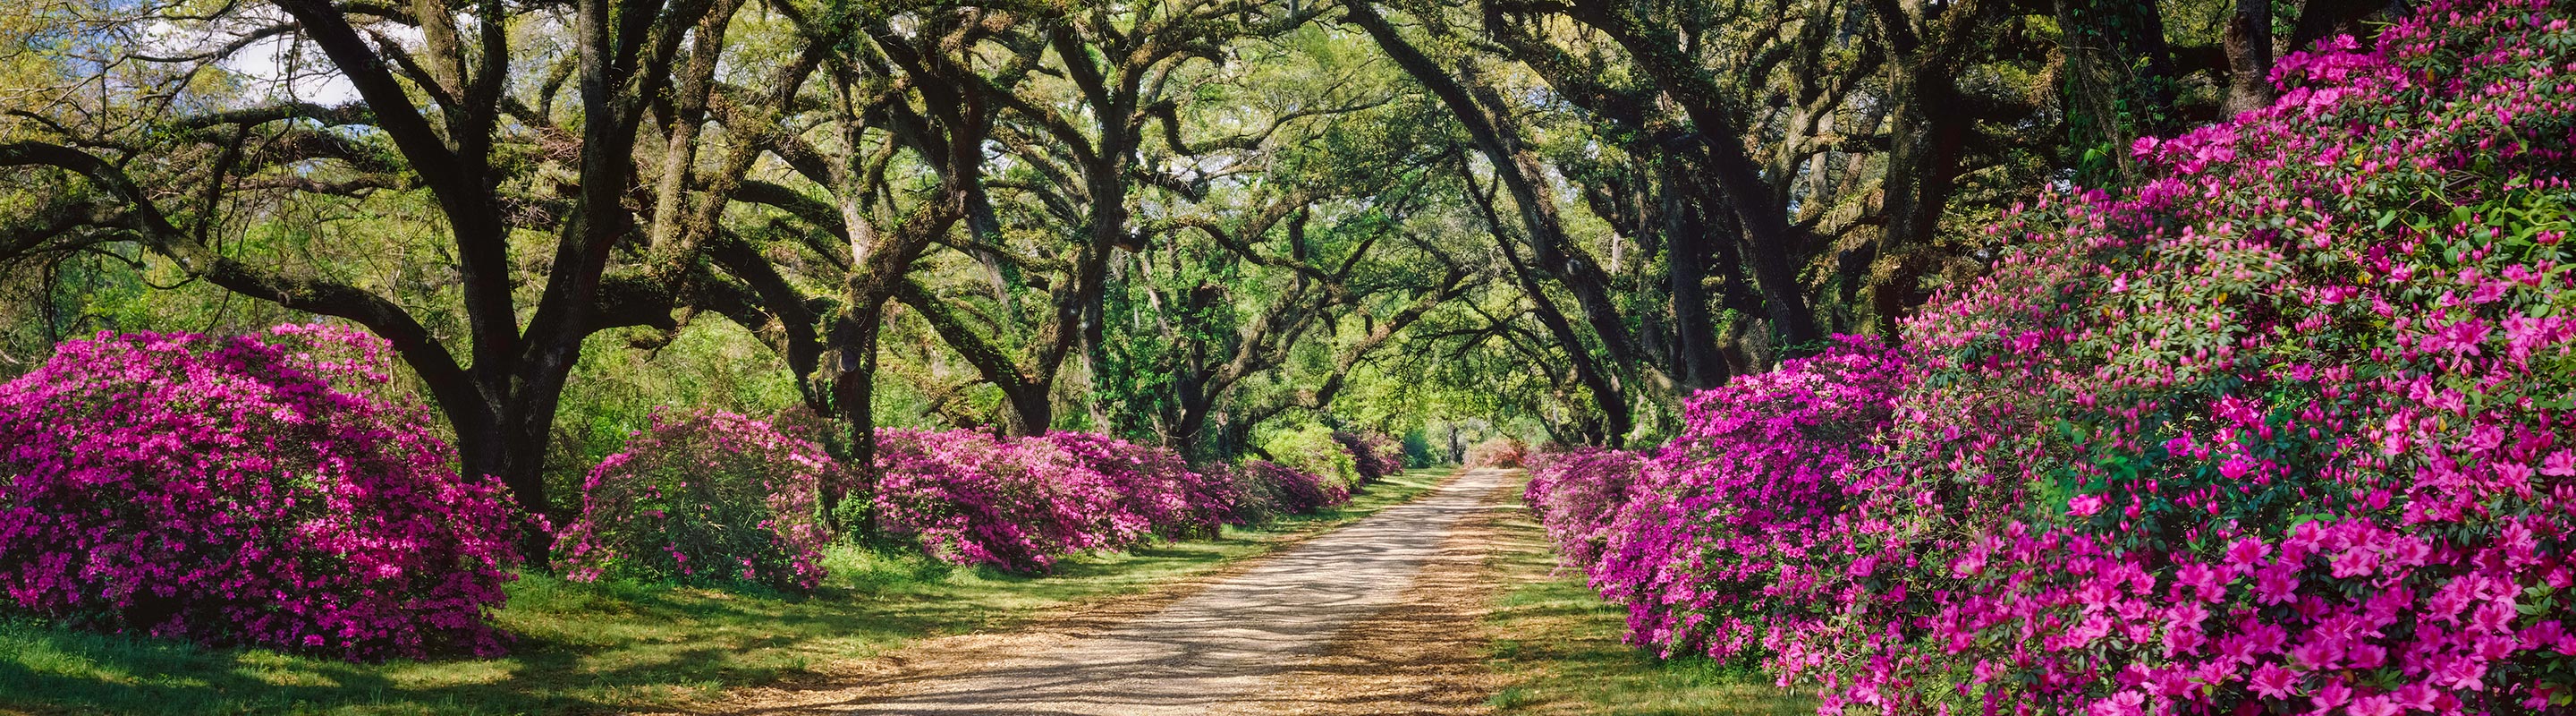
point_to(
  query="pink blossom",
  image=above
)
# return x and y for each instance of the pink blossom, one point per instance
(184, 511)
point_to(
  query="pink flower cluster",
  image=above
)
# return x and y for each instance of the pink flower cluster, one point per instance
(1156, 486)
(1377, 455)
(711, 497)
(1712, 542)
(1271, 488)
(1578, 495)
(245, 490)
(703, 497)
(2289, 428)
(1497, 452)
(1022, 503)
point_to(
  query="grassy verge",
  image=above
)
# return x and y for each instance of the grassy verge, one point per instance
(1558, 645)
(587, 648)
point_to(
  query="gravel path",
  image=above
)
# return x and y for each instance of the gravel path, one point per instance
(1219, 649)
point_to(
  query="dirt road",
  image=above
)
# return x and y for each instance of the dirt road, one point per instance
(1229, 648)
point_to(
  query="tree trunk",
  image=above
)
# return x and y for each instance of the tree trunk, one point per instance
(1762, 214)
(1605, 392)
(854, 394)
(1189, 431)
(1686, 265)
(1027, 410)
(2249, 57)
(878, 275)
(2120, 82)
(1928, 133)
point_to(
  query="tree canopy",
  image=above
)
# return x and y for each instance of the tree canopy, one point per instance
(1193, 223)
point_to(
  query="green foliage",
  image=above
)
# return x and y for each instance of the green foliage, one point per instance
(1311, 448)
(618, 386)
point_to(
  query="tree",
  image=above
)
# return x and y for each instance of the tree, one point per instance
(439, 115)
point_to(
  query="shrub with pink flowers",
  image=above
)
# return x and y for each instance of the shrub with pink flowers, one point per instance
(707, 497)
(1709, 543)
(1288, 490)
(702, 497)
(1388, 451)
(970, 498)
(1497, 452)
(1156, 485)
(1020, 504)
(1375, 455)
(243, 490)
(1576, 493)
(2288, 428)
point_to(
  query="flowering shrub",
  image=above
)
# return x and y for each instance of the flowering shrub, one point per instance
(1020, 504)
(1708, 544)
(1576, 493)
(1289, 490)
(1497, 452)
(1389, 450)
(2288, 428)
(971, 498)
(702, 497)
(2281, 426)
(1374, 455)
(1156, 485)
(243, 490)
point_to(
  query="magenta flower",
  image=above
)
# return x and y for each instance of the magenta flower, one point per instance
(2271, 681)
(2323, 346)
(249, 490)
(711, 487)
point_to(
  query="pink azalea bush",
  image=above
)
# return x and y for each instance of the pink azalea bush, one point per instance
(1497, 452)
(1389, 452)
(243, 490)
(971, 498)
(707, 497)
(1156, 485)
(2289, 428)
(1578, 493)
(702, 497)
(1020, 504)
(1709, 542)
(1375, 455)
(1280, 489)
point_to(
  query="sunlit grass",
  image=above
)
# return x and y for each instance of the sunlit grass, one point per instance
(613, 647)
(1560, 644)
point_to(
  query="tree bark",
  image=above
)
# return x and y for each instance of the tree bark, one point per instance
(854, 335)
(2249, 57)
(1928, 133)
(1687, 251)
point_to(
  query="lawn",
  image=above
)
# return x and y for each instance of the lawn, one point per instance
(589, 648)
(1558, 643)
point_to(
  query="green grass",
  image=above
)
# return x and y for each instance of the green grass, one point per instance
(587, 648)
(1559, 644)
